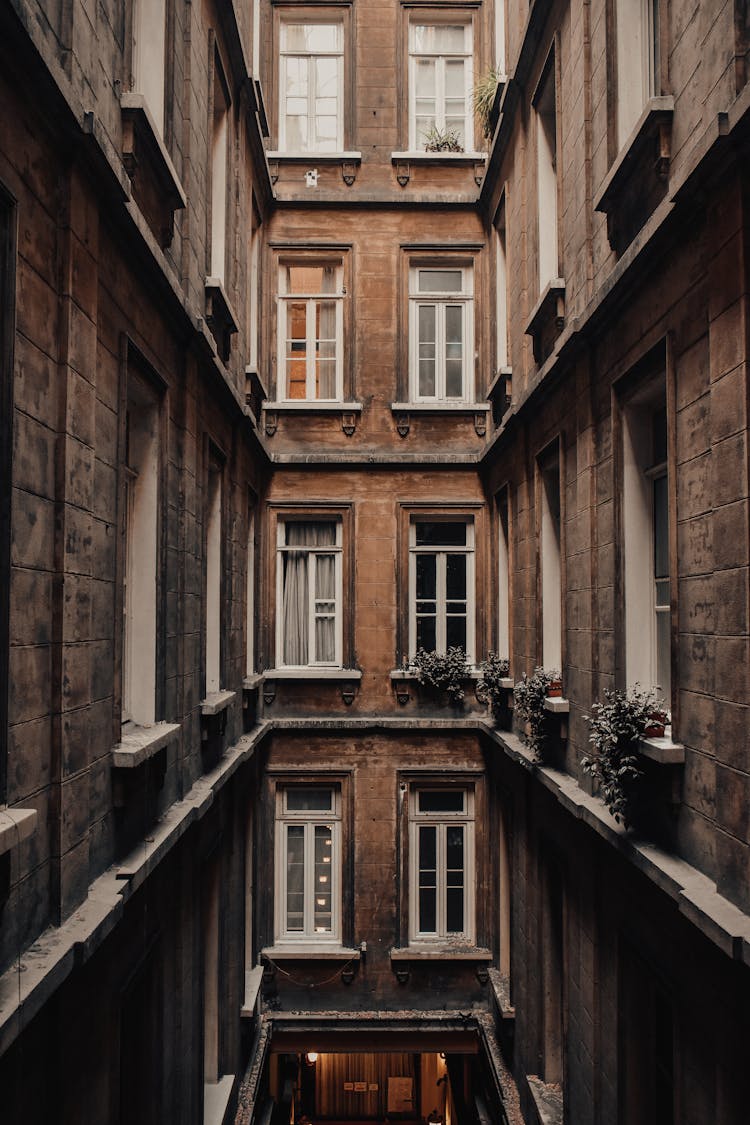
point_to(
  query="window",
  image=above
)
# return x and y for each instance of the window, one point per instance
(441, 332)
(311, 296)
(503, 573)
(309, 594)
(637, 34)
(311, 87)
(440, 82)
(219, 151)
(501, 283)
(441, 849)
(546, 148)
(308, 863)
(250, 592)
(550, 552)
(141, 472)
(441, 585)
(646, 534)
(149, 56)
(253, 288)
(213, 576)
(501, 21)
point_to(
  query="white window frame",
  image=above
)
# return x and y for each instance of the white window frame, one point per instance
(311, 301)
(442, 821)
(441, 553)
(417, 143)
(309, 820)
(335, 549)
(464, 299)
(338, 54)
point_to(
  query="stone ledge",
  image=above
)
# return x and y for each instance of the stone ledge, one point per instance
(250, 683)
(658, 111)
(310, 952)
(216, 702)
(420, 156)
(312, 158)
(140, 743)
(556, 705)
(440, 953)
(548, 1100)
(457, 407)
(16, 825)
(663, 751)
(312, 406)
(501, 992)
(312, 674)
(253, 980)
(216, 1098)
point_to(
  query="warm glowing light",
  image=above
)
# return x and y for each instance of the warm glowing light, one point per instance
(312, 1056)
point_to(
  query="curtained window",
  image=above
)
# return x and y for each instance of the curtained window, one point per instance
(441, 880)
(311, 332)
(309, 603)
(308, 863)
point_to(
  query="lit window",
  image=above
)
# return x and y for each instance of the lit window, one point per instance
(311, 331)
(441, 585)
(441, 84)
(441, 333)
(308, 863)
(637, 34)
(441, 849)
(309, 594)
(311, 87)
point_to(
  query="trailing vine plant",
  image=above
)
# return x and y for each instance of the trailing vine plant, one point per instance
(616, 726)
(444, 671)
(490, 688)
(529, 694)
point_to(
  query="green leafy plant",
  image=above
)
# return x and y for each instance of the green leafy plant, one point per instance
(444, 671)
(616, 726)
(529, 694)
(442, 140)
(484, 98)
(490, 688)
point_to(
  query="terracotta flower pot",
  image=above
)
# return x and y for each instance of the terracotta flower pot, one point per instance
(655, 725)
(555, 689)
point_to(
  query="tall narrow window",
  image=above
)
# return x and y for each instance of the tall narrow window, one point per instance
(501, 20)
(441, 585)
(141, 473)
(552, 976)
(7, 338)
(250, 593)
(646, 1086)
(219, 152)
(441, 333)
(308, 863)
(550, 531)
(503, 574)
(310, 336)
(311, 87)
(646, 542)
(501, 283)
(637, 34)
(149, 55)
(213, 576)
(254, 289)
(441, 849)
(441, 82)
(210, 907)
(546, 150)
(309, 594)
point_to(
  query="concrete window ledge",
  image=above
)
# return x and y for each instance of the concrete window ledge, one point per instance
(548, 1100)
(655, 118)
(420, 156)
(501, 992)
(143, 148)
(556, 705)
(138, 744)
(220, 316)
(216, 1098)
(312, 674)
(16, 825)
(313, 406)
(398, 674)
(253, 979)
(310, 952)
(550, 306)
(217, 701)
(663, 751)
(440, 953)
(250, 683)
(313, 158)
(456, 407)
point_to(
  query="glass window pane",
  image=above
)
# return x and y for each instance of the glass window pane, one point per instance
(440, 281)
(455, 577)
(426, 576)
(311, 37)
(426, 633)
(325, 640)
(425, 79)
(663, 662)
(455, 80)
(661, 528)
(323, 914)
(441, 800)
(438, 534)
(308, 799)
(295, 877)
(454, 878)
(455, 632)
(427, 860)
(318, 533)
(439, 38)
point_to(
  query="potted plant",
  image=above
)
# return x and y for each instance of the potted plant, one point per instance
(485, 89)
(443, 671)
(442, 140)
(656, 723)
(616, 727)
(492, 688)
(554, 687)
(530, 694)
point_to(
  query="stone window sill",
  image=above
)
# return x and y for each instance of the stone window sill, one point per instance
(250, 683)
(137, 743)
(421, 157)
(315, 407)
(311, 158)
(410, 674)
(216, 1098)
(216, 702)
(143, 148)
(500, 393)
(310, 952)
(548, 1100)
(253, 980)
(548, 303)
(220, 316)
(663, 751)
(501, 992)
(16, 825)
(556, 705)
(312, 674)
(441, 953)
(657, 113)
(440, 407)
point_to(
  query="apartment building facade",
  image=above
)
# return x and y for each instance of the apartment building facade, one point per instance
(306, 368)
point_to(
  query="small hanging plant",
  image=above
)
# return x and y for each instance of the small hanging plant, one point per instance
(616, 727)
(530, 694)
(490, 688)
(443, 671)
(442, 140)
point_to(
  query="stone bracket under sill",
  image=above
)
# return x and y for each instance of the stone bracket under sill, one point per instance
(402, 412)
(500, 393)
(350, 163)
(404, 160)
(549, 309)
(16, 825)
(255, 391)
(253, 981)
(216, 1098)
(346, 677)
(220, 316)
(347, 410)
(140, 743)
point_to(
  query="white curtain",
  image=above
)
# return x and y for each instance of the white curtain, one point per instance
(296, 595)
